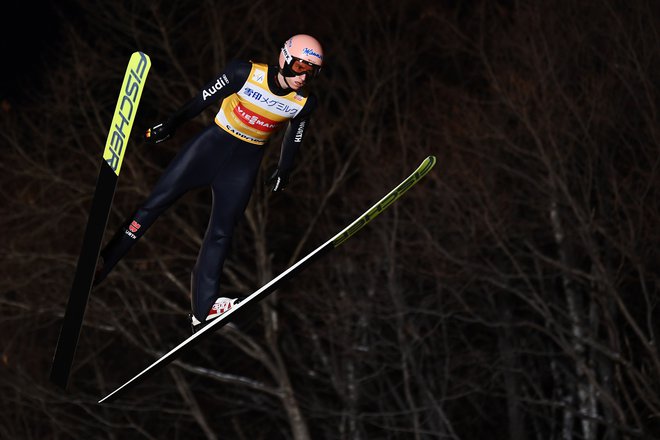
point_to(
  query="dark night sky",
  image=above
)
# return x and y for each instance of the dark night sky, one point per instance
(29, 31)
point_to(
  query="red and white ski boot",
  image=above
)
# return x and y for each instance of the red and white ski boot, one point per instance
(220, 306)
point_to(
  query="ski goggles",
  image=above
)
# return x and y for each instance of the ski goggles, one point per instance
(299, 66)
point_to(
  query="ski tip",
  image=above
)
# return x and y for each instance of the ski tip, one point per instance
(138, 54)
(425, 166)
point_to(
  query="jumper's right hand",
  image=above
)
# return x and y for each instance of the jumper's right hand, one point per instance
(158, 133)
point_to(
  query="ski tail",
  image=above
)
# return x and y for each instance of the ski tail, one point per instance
(242, 308)
(113, 155)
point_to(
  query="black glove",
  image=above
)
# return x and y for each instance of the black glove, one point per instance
(158, 133)
(278, 180)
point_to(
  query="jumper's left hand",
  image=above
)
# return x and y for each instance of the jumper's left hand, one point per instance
(278, 180)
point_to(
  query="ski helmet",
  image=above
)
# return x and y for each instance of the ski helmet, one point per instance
(301, 55)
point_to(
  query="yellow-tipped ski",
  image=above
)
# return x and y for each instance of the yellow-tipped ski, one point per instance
(127, 104)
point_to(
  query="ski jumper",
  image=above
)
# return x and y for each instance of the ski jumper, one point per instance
(225, 156)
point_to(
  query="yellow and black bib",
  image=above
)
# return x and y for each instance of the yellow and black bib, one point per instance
(254, 113)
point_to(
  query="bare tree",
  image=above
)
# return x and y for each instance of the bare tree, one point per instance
(546, 113)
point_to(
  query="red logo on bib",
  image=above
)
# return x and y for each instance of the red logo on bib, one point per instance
(254, 120)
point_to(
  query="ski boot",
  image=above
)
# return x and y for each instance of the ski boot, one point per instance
(220, 306)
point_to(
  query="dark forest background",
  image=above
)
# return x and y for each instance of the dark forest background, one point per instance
(513, 294)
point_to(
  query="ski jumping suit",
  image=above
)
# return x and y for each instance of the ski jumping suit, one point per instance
(225, 156)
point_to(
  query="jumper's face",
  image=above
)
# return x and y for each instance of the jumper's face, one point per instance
(292, 82)
(296, 82)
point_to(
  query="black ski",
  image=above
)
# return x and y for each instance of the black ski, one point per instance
(241, 308)
(113, 155)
